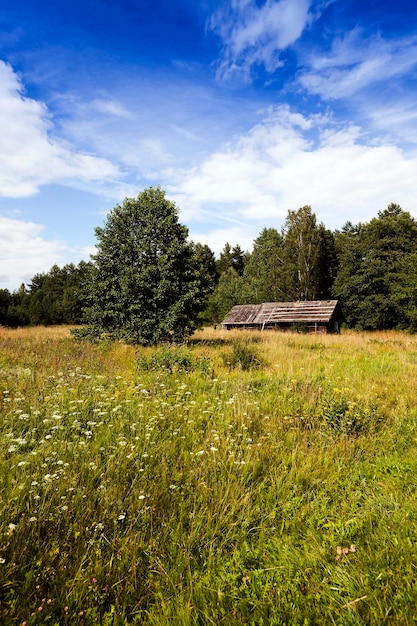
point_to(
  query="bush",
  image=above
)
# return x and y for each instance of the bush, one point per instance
(172, 358)
(243, 357)
(348, 416)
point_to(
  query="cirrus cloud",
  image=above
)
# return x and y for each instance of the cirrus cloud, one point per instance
(254, 34)
(356, 62)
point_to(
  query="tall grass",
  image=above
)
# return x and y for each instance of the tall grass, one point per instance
(240, 479)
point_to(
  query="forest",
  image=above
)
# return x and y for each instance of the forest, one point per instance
(369, 267)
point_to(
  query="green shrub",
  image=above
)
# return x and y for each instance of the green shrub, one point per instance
(172, 358)
(243, 356)
(348, 415)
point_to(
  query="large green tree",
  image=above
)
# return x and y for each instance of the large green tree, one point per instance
(264, 272)
(376, 280)
(146, 286)
(231, 257)
(206, 266)
(309, 257)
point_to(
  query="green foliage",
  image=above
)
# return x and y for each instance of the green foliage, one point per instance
(58, 297)
(205, 262)
(55, 297)
(150, 285)
(12, 308)
(243, 356)
(231, 258)
(172, 358)
(264, 269)
(404, 292)
(309, 257)
(347, 415)
(376, 271)
(206, 267)
(239, 258)
(299, 264)
(229, 291)
(146, 287)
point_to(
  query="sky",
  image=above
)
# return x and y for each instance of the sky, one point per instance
(241, 110)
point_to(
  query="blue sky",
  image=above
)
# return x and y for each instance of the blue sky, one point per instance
(239, 109)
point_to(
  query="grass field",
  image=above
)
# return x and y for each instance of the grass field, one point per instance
(239, 479)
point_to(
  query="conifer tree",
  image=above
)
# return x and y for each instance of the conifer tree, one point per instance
(376, 277)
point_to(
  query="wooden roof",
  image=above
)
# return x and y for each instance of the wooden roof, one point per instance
(307, 312)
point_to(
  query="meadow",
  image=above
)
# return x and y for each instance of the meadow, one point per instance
(241, 478)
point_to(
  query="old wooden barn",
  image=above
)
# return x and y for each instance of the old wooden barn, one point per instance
(314, 316)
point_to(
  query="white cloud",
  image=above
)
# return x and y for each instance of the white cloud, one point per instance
(30, 156)
(396, 119)
(24, 252)
(234, 235)
(289, 161)
(254, 34)
(354, 63)
(108, 105)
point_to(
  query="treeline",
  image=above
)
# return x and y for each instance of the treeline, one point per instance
(370, 267)
(55, 297)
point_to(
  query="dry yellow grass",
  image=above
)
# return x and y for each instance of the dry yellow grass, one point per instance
(39, 333)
